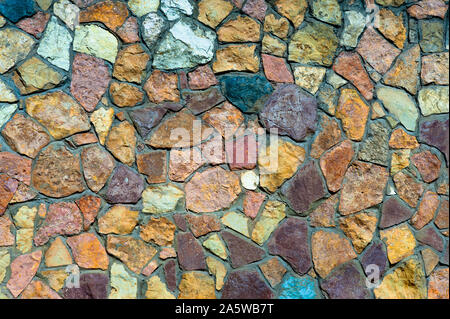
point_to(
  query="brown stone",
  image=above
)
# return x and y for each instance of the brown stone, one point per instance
(153, 165)
(125, 95)
(121, 142)
(111, 13)
(246, 284)
(428, 8)
(162, 87)
(359, 228)
(435, 69)
(408, 188)
(226, 119)
(327, 138)
(428, 165)
(276, 69)
(16, 166)
(183, 163)
(134, 253)
(8, 187)
(376, 50)
(190, 252)
(213, 150)
(88, 251)
(131, 63)
(98, 166)
(241, 251)
(57, 254)
(438, 284)
(334, 164)
(160, 231)
(391, 26)
(348, 65)
(294, 10)
(239, 29)
(129, 31)
(202, 225)
(273, 270)
(252, 203)
(212, 190)
(401, 139)
(90, 79)
(393, 213)
(23, 193)
(236, 57)
(23, 269)
(196, 285)
(363, 187)
(427, 208)
(126, 186)
(57, 172)
(353, 113)
(6, 236)
(442, 220)
(201, 101)
(202, 78)
(278, 27)
(323, 215)
(84, 139)
(89, 206)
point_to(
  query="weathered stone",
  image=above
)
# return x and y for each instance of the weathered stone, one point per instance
(156, 289)
(249, 180)
(92, 286)
(405, 71)
(126, 186)
(202, 225)
(434, 100)
(401, 139)
(400, 242)
(226, 119)
(391, 26)
(438, 284)
(435, 69)
(237, 222)
(6, 93)
(375, 255)
(273, 270)
(271, 216)
(241, 251)
(15, 46)
(330, 250)
(118, 220)
(102, 119)
(59, 113)
(246, 284)
(153, 26)
(442, 220)
(170, 272)
(216, 268)
(6, 111)
(432, 36)
(110, 13)
(129, 31)
(147, 118)
(183, 163)
(6, 236)
(255, 8)
(123, 285)
(97, 165)
(400, 160)
(190, 252)
(316, 42)
(160, 231)
(359, 228)
(153, 165)
(94, 40)
(375, 147)
(309, 77)
(299, 288)
(294, 10)
(84, 139)
(428, 8)
(346, 282)
(202, 78)
(327, 11)
(334, 164)
(239, 57)
(327, 138)
(121, 142)
(57, 254)
(23, 269)
(435, 133)
(125, 95)
(216, 246)
(278, 27)
(430, 237)
(276, 70)
(161, 198)
(196, 285)
(323, 215)
(24, 240)
(16, 166)
(131, 63)
(134, 253)
(407, 281)
(8, 187)
(15, 10)
(67, 12)
(393, 213)
(428, 165)
(430, 260)
(274, 46)
(353, 26)
(201, 101)
(353, 112)
(408, 188)
(5, 260)
(239, 29)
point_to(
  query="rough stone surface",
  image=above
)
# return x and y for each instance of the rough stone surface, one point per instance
(246, 284)
(190, 252)
(241, 252)
(125, 186)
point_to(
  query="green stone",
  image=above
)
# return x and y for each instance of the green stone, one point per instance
(327, 11)
(161, 198)
(96, 41)
(216, 246)
(432, 36)
(433, 100)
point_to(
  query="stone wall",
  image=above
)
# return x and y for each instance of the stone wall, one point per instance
(224, 149)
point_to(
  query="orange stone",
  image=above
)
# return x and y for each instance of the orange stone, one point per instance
(111, 13)
(428, 164)
(427, 208)
(334, 164)
(276, 69)
(327, 138)
(38, 290)
(16, 166)
(162, 87)
(125, 95)
(88, 251)
(131, 63)
(89, 206)
(153, 165)
(353, 113)
(401, 139)
(8, 187)
(226, 119)
(408, 188)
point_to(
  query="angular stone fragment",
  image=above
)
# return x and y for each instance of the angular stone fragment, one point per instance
(242, 252)
(380, 58)
(353, 113)
(330, 250)
(278, 27)
(134, 253)
(246, 284)
(226, 119)
(346, 282)
(156, 289)
(405, 72)
(161, 198)
(430, 237)
(327, 138)
(16, 166)
(202, 78)
(239, 29)
(391, 26)
(442, 218)
(276, 70)
(123, 285)
(212, 12)
(290, 241)
(334, 164)
(129, 31)
(428, 165)
(84, 139)
(15, 46)
(273, 270)
(238, 57)
(438, 284)
(401, 139)
(125, 95)
(435, 133)
(274, 46)
(432, 36)
(294, 10)
(353, 27)
(118, 220)
(375, 148)
(6, 93)
(94, 40)
(400, 242)
(110, 13)
(92, 286)
(183, 163)
(102, 119)
(364, 187)
(271, 216)
(216, 268)
(430, 260)
(196, 285)
(201, 101)
(375, 255)
(67, 12)
(153, 165)
(23, 269)
(130, 64)
(5, 260)
(237, 222)
(160, 231)
(6, 236)
(435, 69)
(190, 252)
(434, 100)
(121, 142)
(57, 254)
(202, 225)
(408, 188)
(126, 186)
(323, 215)
(8, 187)
(309, 77)
(146, 118)
(153, 26)
(255, 8)
(327, 11)
(393, 213)
(359, 228)
(216, 246)
(98, 166)
(15, 10)
(428, 8)
(59, 113)
(176, 9)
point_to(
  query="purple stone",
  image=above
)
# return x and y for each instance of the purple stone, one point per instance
(375, 255)
(394, 212)
(246, 284)
(429, 236)
(435, 133)
(190, 252)
(126, 186)
(444, 258)
(147, 118)
(201, 101)
(241, 251)
(290, 241)
(92, 286)
(292, 111)
(180, 221)
(170, 272)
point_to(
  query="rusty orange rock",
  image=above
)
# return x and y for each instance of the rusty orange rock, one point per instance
(408, 188)
(8, 187)
(160, 231)
(334, 164)
(88, 251)
(353, 112)
(327, 138)
(6, 236)
(276, 70)
(427, 208)
(428, 164)
(111, 13)
(162, 87)
(131, 63)
(401, 139)
(16, 166)
(125, 95)
(23, 269)
(38, 290)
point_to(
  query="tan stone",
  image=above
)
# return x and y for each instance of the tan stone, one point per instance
(400, 242)
(118, 220)
(236, 57)
(121, 142)
(226, 119)
(125, 95)
(353, 112)
(88, 251)
(218, 269)
(240, 29)
(162, 87)
(160, 231)
(271, 216)
(156, 289)
(131, 63)
(408, 188)
(102, 119)
(391, 26)
(274, 46)
(278, 27)
(57, 254)
(273, 270)
(196, 285)
(294, 10)
(56, 278)
(430, 260)
(359, 228)
(400, 160)
(212, 12)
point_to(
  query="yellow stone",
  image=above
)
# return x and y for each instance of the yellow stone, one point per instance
(118, 220)
(102, 120)
(122, 143)
(273, 46)
(160, 231)
(278, 163)
(391, 26)
(236, 57)
(5, 260)
(407, 281)
(237, 222)
(359, 228)
(212, 12)
(294, 10)
(218, 269)
(156, 289)
(278, 27)
(216, 246)
(57, 254)
(353, 113)
(400, 242)
(196, 285)
(430, 260)
(400, 160)
(24, 239)
(272, 215)
(56, 278)
(240, 29)
(25, 217)
(309, 77)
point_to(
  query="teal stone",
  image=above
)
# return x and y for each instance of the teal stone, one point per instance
(299, 288)
(15, 10)
(248, 93)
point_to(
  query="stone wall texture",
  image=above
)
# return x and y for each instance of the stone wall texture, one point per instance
(293, 149)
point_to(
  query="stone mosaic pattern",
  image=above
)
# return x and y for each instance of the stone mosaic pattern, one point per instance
(93, 182)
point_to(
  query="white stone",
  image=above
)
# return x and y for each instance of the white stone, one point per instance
(309, 77)
(335, 80)
(353, 26)
(67, 12)
(55, 45)
(174, 9)
(6, 94)
(6, 111)
(433, 100)
(123, 285)
(94, 40)
(152, 27)
(249, 180)
(142, 7)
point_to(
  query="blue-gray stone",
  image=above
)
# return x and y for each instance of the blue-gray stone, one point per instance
(299, 288)
(15, 10)
(248, 93)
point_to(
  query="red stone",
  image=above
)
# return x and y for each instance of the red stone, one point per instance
(252, 203)
(428, 165)
(8, 187)
(190, 252)
(16, 166)
(89, 207)
(202, 78)
(276, 69)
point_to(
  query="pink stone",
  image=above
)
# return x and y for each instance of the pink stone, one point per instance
(255, 9)
(276, 69)
(202, 78)
(129, 31)
(252, 203)
(242, 153)
(23, 269)
(34, 25)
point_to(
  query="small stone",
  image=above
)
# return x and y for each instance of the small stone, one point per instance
(273, 270)
(299, 288)
(111, 13)
(290, 241)
(401, 139)
(239, 57)
(434, 100)
(274, 46)
(239, 29)
(59, 113)
(121, 142)
(57, 254)
(216, 246)
(381, 58)
(430, 237)
(393, 213)
(86, 40)
(196, 285)
(327, 11)
(7, 237)
(348, 65)
(23, 269)
(102, 119)
(376, 255)
(407, 281)
(278, 27)
(134, 253)
(359, 228)
(432, 36)
(438, 284)
(201, 101)
(84, 139)
(166, 253)
(150, 268)
(118, 220)
(5, 260)
(353, 26)
(190, 252)
(249, 180)
(430, 260)
(400, 160)
(55, 45)
(216, 268)
(323, 215)
(435, 69)
(131, 63)
(309, 78)
(246, 284)
(294, 10)
(123, 285)
(157, 92)
(36, 24)
(129, 31)
(142, 7)
(271, 216)
(176, 9)
(67, 12)
(255, 8)
(24, 240)
(252, 203)
(237, 222)
(316, 42)
(435, 133)
(375, 147)
(330, 250)
(153, 165)
(202, 225)
(276, 69)
(125, 95)
(408, 188)
(442, 220)
(6, 93)
(126, 186)
(161, 198)
(156, 289)
(160, 231)
(391, 26)
(334, 164)
(400, 242)
(15, 46)
(353, 113)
